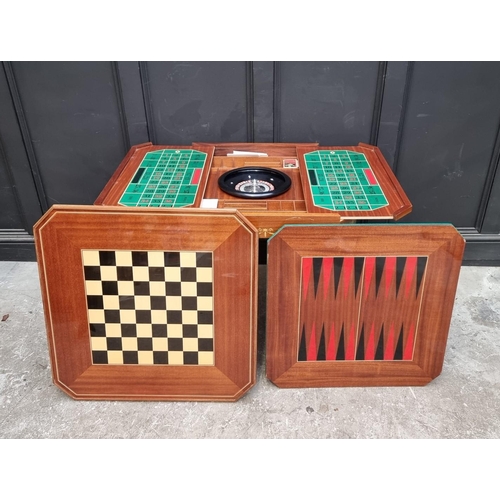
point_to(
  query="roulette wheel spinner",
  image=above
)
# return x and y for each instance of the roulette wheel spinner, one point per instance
(254, 182)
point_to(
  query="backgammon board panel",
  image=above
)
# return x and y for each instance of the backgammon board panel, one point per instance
(360, 308)
(360, 305)
(149, 305)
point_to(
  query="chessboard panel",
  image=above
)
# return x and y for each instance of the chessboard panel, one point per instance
(150, 307)
(165, 178)
(136, 302)
(343, 180)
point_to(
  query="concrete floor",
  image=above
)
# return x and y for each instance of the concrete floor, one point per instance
(463, 402)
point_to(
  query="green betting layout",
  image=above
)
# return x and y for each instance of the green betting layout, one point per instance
(343, 180)
(165, 178)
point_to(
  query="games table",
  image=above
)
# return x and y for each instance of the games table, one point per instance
(327, 184)
(163, 273)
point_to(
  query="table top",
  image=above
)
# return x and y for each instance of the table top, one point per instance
(329, 184)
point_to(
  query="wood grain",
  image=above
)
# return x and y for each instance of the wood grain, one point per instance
(283, 149)
(60, 236)
(443, 247)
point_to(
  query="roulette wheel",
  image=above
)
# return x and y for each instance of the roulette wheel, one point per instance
(255, 182)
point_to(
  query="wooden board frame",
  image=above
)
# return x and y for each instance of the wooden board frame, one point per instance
(61, 235)
(440, 247)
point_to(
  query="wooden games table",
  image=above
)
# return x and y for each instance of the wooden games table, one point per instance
(163, 275)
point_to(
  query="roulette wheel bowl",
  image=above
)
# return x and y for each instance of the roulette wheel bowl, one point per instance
(254, 182)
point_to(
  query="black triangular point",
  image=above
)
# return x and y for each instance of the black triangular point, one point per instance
(421, 263)
(398, 353)
(358, 270)
(400, 266)
(317, 262)
(379, 353)
(302, 346)
(341, 348)
(338, 263)
(360, 353)
(322, 346)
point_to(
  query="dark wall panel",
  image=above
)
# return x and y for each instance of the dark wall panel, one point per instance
(450, 129)
(263, 91)
(16, 171)
(327, 102)
(66, 126)
(492, 216)
(10, 217)
(392, 103)
(134, 114)
(197, 101)
(74, 124)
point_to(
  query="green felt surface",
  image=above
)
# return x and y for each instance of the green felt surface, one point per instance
(343, 180)
(165, 178)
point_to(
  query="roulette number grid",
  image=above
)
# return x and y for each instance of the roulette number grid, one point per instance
(165, 178)
(343, 180)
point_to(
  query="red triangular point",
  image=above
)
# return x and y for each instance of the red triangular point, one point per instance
(306, 273)
(408, 352)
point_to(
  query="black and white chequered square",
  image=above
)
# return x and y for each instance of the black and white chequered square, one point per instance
(150, 307)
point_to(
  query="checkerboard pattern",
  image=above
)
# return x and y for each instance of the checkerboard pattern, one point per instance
(150, 307)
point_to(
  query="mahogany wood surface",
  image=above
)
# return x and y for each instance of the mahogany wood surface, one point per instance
(284, 149)
(62, 235)
(223, 164)
(271, 214)
(333, 321)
